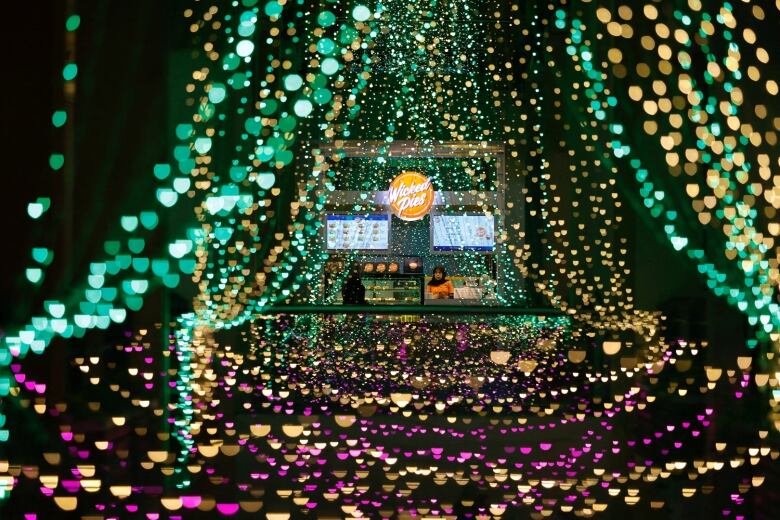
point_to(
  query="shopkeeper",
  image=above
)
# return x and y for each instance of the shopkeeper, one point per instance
(440, 288)
(353, 292)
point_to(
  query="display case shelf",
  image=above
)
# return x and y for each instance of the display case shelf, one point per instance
(393, 289)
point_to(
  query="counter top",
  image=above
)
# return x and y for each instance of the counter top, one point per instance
(440, 307)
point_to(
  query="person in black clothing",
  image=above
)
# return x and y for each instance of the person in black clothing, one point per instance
(353, 292)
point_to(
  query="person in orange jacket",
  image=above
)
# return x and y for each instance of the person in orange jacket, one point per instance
(439, 286)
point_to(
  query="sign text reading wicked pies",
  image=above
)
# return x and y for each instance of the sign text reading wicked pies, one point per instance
(410, 196)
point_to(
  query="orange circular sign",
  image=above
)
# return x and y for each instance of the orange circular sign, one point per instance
(410, 196)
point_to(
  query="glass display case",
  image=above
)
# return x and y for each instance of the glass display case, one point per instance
(393, 289)
(389, 290)
(388, 281)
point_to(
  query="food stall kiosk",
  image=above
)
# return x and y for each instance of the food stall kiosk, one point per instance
(420, 220)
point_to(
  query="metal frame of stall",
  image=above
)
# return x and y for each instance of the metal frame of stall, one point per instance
(444, 150)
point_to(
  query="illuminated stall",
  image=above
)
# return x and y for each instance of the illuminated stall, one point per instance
(400, 209)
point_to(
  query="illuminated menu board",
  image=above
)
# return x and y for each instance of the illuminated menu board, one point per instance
(463, 233)
(357, 232)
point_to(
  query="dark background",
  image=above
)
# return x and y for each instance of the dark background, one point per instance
(125, 53)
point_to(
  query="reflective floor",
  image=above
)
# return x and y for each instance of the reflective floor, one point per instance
(439, 416)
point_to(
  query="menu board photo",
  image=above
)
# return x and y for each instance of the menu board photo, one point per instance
(357, 232)
(463, 233)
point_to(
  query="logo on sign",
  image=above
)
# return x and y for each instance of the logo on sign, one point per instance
(410, 196)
